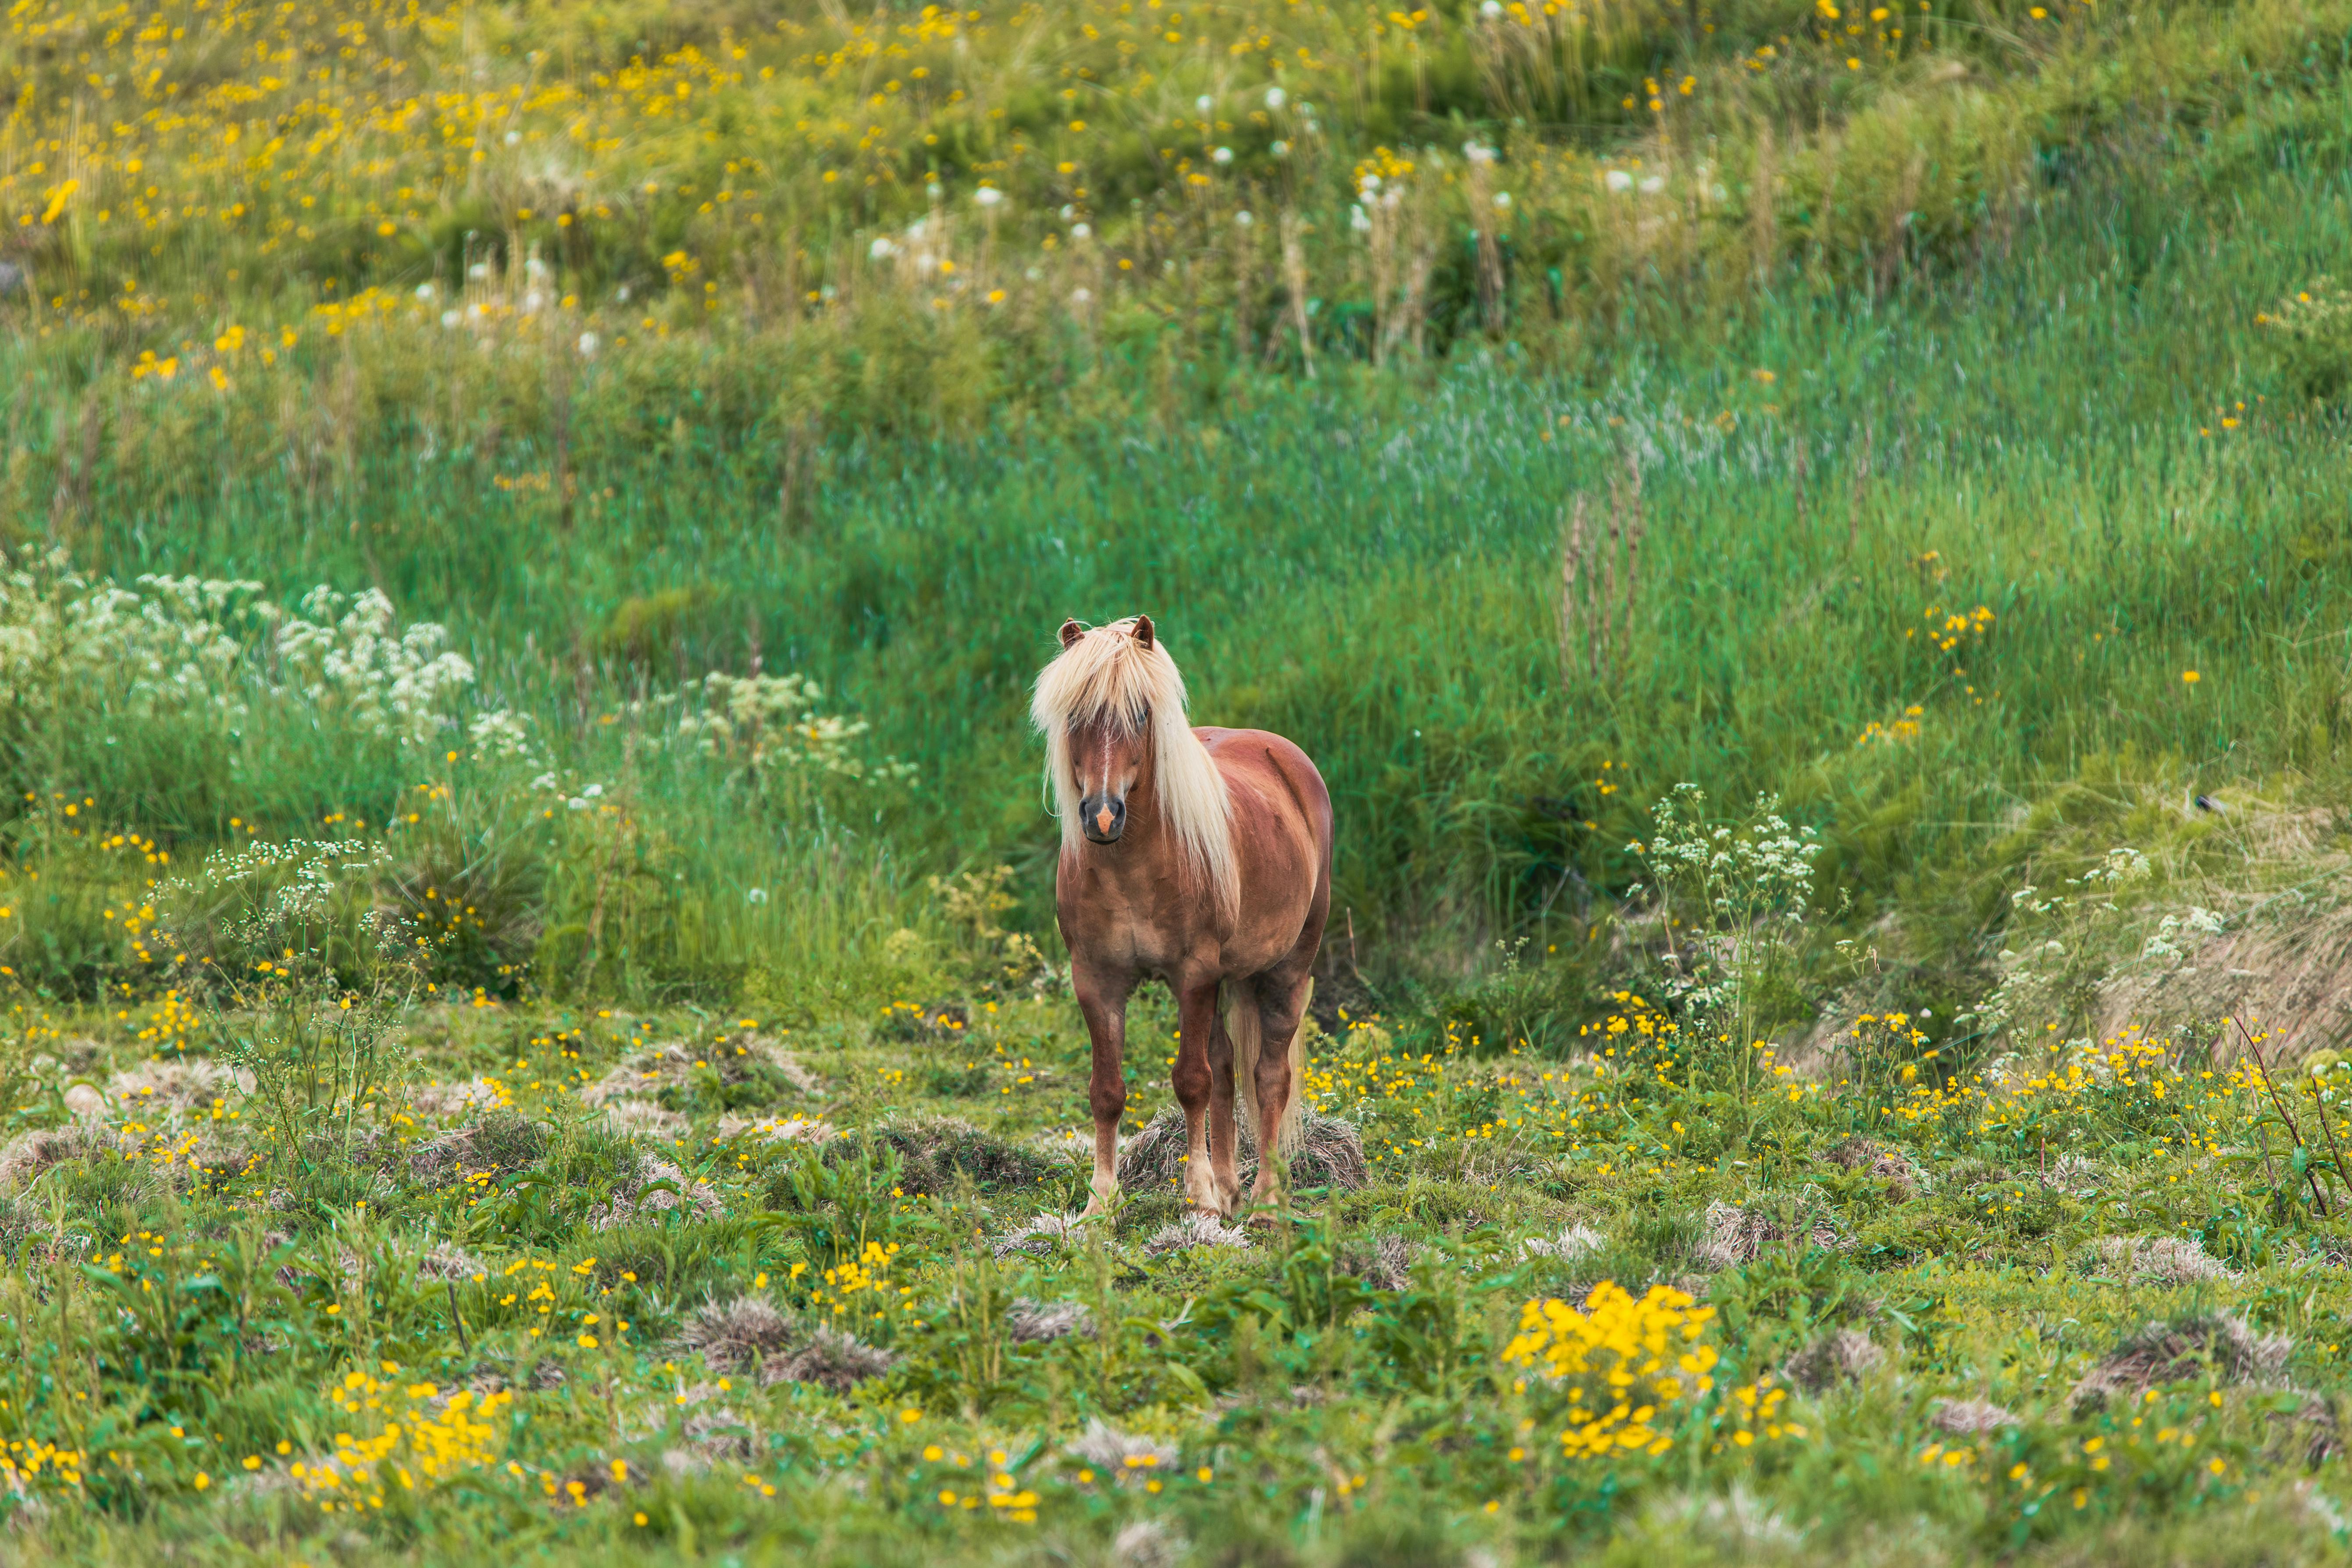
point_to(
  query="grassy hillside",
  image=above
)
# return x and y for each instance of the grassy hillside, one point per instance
(1809, 543)
(2054, 453)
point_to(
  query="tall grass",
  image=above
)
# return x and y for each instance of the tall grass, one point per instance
(915, 222)
(1372, 563)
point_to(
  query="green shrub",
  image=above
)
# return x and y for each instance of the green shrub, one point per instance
(2311, 337)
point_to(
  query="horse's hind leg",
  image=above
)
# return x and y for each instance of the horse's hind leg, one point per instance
(1104, 1003)
(1221, 1152)
(1196, 1016)
(1281, 1004)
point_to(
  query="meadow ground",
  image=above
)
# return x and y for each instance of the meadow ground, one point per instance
(617, 1285)
(1808, 543)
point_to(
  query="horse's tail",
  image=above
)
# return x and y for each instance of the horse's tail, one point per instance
(1242, 1024)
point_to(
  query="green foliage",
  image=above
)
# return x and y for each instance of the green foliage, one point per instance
(839, 1199)
(2311, 335)
(1467, 762)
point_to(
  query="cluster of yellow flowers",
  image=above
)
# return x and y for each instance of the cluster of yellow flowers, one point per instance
(867, 1274)
(1751, 1414)
(498, 174)
(1906, 726)
(1621, 1360)
(168, 1024)
(1012, 1502)
(28, 1465)
(418, 1437)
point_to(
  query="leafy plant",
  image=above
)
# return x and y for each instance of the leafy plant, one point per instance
(308, 982)
(2311, 335)
(1732, 901)
(839, 1198)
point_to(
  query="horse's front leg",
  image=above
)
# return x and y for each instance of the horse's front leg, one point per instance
(1221, 1149)
(1196, 1016)
(1103, 1000)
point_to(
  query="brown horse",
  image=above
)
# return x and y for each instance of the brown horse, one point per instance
(1203, 857)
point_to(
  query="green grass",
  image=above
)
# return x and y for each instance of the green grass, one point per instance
(1372, 563)
(176, 1328)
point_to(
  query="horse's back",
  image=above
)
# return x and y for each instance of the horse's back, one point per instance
(1282, 839)
(1282, 778)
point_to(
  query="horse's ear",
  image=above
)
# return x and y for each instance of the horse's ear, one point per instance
(1143, 633)
(1071, 632)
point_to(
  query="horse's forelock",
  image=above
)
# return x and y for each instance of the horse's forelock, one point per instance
(1109, 674)
(1105, 676)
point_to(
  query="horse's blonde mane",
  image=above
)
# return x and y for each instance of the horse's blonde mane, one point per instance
(1105, 674)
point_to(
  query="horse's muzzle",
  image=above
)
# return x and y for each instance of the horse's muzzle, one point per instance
(1103, 818)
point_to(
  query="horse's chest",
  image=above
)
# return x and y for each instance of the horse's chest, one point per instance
(1114, 930)
(1140, 944)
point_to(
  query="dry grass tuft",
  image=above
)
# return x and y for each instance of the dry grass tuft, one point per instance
(1573, 1242)
(1126, 1457)
(1066, 1146)
(750, 1332)
(501, 1139)
(1155, 1156)
(935, 1152)
(657, 1186)
(28, 1154)
(1028, 1322)
(1037, 1237)
(2198, 1345)
(1195, 1229)
(2284, 954)
(1733, 1234)
(1969, 1418)
(1905, 1181)
(828, 1357)
(2172, 1260)
(2075, 1175)
(779, 1130)
(674, 1064)
(1836, 1359)
(1330, 1153)
(1738, 1527)
(1385, 1265)
(643, 1118)
(733, 1335)
(160, 1090)
(438, 1100)
(1147, 1543)
(450, 1263)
